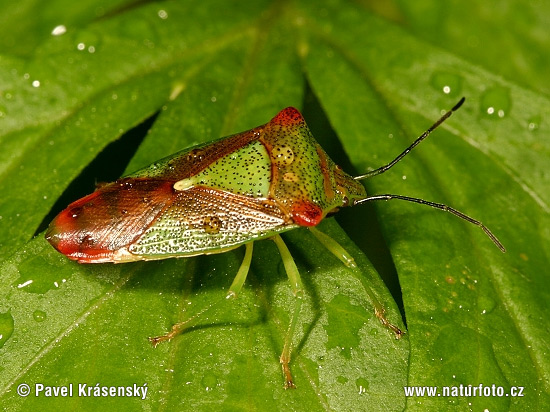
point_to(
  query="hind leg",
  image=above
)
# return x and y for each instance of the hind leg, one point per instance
(298, 290)
(337, 250)
(234, 290)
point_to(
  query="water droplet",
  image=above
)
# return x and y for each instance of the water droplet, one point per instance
(449, 84)
(496, 103)
(343, 325)
(162, 14)
(362, 385)
(39, 315)
(59, 30)
(209, 381)
(282, 155)
(486, 304)
(3, 111)
(36, 83)
(534, 123)
(341, 379)
(87, 39)
(6, 327)
(35, 281)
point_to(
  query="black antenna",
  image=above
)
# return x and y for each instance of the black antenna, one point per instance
(439, 206)
(413, 145)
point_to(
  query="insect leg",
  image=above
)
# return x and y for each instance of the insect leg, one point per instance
(179, 327)
(298, 290)
(234, 289)
(337, 250)
(238, 282)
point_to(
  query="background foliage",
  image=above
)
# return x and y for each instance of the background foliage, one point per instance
(119, 84)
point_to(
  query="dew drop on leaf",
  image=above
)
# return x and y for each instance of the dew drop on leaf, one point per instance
(6, 327)
(532, 124)
(449, 84)
(209, 381)
(362, 385)
(39, 315)
(87, 40)
(31, 280)
(59, 30)
(495, 103)
(486, 304)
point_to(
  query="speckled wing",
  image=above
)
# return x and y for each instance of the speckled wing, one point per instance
(204, 220)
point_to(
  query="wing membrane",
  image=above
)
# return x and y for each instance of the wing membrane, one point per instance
(205, 220)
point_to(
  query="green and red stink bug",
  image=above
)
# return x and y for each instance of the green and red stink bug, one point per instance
(217, 196)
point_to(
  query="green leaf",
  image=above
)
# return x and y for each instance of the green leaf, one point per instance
(369, 79)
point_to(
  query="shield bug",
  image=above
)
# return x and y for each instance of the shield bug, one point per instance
(215, 197)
